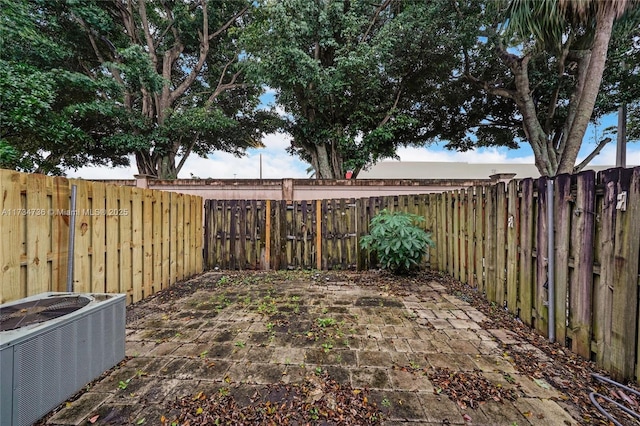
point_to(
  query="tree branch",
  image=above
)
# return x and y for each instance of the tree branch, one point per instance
(224, 86)
(142, 10)
(395, 104)
(204, 51)
(228, 23)
(591, 156)
(380, 8)
(553, 103)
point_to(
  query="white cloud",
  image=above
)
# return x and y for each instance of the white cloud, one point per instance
(276, 164)
(481, 155)
(607, 156)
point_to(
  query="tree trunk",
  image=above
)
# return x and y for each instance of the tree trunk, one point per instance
(324, 169)
(587, 101)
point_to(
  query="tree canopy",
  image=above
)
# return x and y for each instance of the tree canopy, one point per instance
(357, 79)
(40, 93)
(165, 80)
(94, 82)
(549, 63)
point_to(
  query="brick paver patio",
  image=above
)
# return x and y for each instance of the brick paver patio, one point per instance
(242, 337)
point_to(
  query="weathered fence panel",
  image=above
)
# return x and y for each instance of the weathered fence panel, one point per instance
(121, 243)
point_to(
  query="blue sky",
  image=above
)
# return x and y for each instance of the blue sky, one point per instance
(277, 163)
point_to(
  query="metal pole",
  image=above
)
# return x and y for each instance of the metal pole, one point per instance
(621, 143)
(72, 237)
(551, 263)
(260, 166)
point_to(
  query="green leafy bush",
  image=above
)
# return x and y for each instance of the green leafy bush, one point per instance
(397, 240)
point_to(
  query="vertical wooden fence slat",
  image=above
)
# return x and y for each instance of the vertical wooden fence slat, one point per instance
(448, 217)
(525, 278)
(147, 243)
(563, 219)
(137, 220)
(166, 239)
(181, 225)
(490, 243)
(124, 213)
(501, 243)
(441, 235)
(157, 241)
(603, 289)
(540, 289)
(471, 238)
(625, 285)
(196, 236)
(112, 224)
(266, 210)
(463, 235)
(455, 233)
(582, 278)
(82, 260)
(98, 238)
(38, 235)
(513, 228)
(11, 241)
(479, 207)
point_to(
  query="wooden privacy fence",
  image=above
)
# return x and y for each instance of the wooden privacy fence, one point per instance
(127, 240)
(492, 237)
(320, 234)
(495, 238)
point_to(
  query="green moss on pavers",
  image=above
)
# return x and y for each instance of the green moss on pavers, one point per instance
(172, 368)
(330, 356)
(157, 393)
(374, 359)
(225, 336)
(379, 302)
(130, 392)
(339, 374)
(399, 405)
(258, 373)
(207, 369)
(111, 382)
(191, 349)
(75, 412)
(220, 350)
(403, 379)
(372, 378)
(439, 409)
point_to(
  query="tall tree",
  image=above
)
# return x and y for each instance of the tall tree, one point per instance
(40, 93)
(556, 54)
(357, 79)
(178, 69)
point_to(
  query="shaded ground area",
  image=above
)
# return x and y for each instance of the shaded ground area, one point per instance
(332, 348)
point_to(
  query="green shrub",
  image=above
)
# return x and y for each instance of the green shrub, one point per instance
(397, 240)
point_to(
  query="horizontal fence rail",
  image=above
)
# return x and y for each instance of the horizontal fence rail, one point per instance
(127, 240)
(492, 237)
